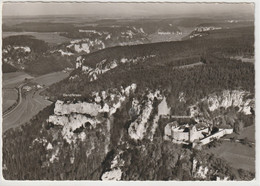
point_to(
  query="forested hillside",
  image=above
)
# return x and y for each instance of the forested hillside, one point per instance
(6, 68)
(32, 55)
(217, 72)
(110, 125)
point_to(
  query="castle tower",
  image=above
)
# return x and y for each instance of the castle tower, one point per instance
(193, 133)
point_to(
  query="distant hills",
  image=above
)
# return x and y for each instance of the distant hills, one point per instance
(133, 64)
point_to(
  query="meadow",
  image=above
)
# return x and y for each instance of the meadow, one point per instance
(12, 79)
(247, 132)
(239, 156)
(50, 78)
(9, 98)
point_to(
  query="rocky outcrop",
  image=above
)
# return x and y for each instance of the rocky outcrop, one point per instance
(62, 108)
(16, 55)
(72, 116)
(139, 127)
(115, 172)
(106, 65)
(85, 45)
(202, 30)
(207, 28)
(199, 171)
(240, 99)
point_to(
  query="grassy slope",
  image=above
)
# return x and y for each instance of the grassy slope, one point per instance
(238, 155)
(9, 98)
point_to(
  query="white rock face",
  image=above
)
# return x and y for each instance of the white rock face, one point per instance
(49, 146)
(233, 98)
(226, 178)
(54, 155)
(201, 172)
(182, 97)
(62, 108)
(116, 105)
(65, 53)
(72, 116)
(105, 66)
(90, 31)
(228, 98)
(24, 48)
(207, 28)
(108, 37)
(73, 77)
(113, 175)
(82, 136)
(84, 45)
(72, 122)
(138, 128)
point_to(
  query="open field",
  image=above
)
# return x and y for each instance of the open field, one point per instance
(155, 37)
(49, 37)
(247, 132)
(11, 80)
(237, 154)
(51, 78)
(9, 98)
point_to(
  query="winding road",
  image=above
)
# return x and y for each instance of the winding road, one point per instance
(20, 101)
(189, 65)
(30, 104)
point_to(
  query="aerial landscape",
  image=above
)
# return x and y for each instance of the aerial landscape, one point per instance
(128, 91)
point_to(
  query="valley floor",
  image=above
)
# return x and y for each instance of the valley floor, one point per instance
(13, 79)
(30, 104)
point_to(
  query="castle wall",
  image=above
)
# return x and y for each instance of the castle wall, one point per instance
(168, 130)
(229, 131)
(194, 134)
(180, 136)
(217, 135)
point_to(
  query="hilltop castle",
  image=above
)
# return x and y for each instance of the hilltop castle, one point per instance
(196, 134)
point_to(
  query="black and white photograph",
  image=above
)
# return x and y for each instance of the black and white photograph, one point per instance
(128, 91)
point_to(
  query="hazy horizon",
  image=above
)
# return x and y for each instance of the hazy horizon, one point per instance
(119, 10)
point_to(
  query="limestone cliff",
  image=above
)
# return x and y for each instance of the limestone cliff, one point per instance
(243, 101)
